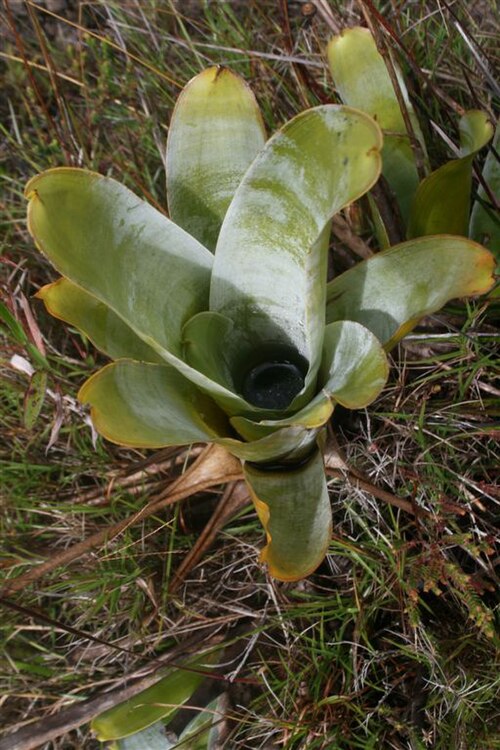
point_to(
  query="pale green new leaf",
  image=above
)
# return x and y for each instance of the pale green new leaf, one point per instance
(108, 332)
(215, 133)
(442, 201)
(392, 291)
(294, 508)
(160, 701)
(363, 81)
(269, 269)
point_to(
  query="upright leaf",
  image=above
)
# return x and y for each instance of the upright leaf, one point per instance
(442, 201)
(362, 80)
(392, 291)
(215, 133)
(270, 269)
(294, 508)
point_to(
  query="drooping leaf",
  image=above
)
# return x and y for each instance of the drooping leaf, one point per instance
(294, 508)
(269, 269)
(160, 701)
(363, 81)
(150, 406)
(104, 328)
(442, 201)
(485, 219)
(392, 291)
(127, 255)
(215, 133)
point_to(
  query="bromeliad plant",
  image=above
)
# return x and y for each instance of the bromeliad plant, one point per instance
(219, 319)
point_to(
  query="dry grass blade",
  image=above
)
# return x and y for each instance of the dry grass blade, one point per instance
(233, 500)
(214, 466)
(49, 728)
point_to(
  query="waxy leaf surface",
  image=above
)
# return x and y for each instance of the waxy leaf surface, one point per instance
(363, 81)
(355, 367)
(392, 291)
(442, 201)
(150, 406)
(294, 508)
(108, 332)
(127, 255)
(215, 133)
(160, 701)
(269, 269)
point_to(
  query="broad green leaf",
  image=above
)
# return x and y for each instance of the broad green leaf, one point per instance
(127, 255)
(442, 201)
(210, 346)
(120, 249)
(151, 738)
(363, 81)
(485, 219)
(34, 398)
(294, 508)
(354, 368)
(270, 265)
(312, 416)
(392, 291)
(288, 444)
(215, 133)
(160, 701)
(108, 332)
(150, 406)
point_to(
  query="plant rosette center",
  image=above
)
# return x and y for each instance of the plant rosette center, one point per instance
(178, 303)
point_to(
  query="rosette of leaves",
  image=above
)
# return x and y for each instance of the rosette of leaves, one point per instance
(219, 318)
